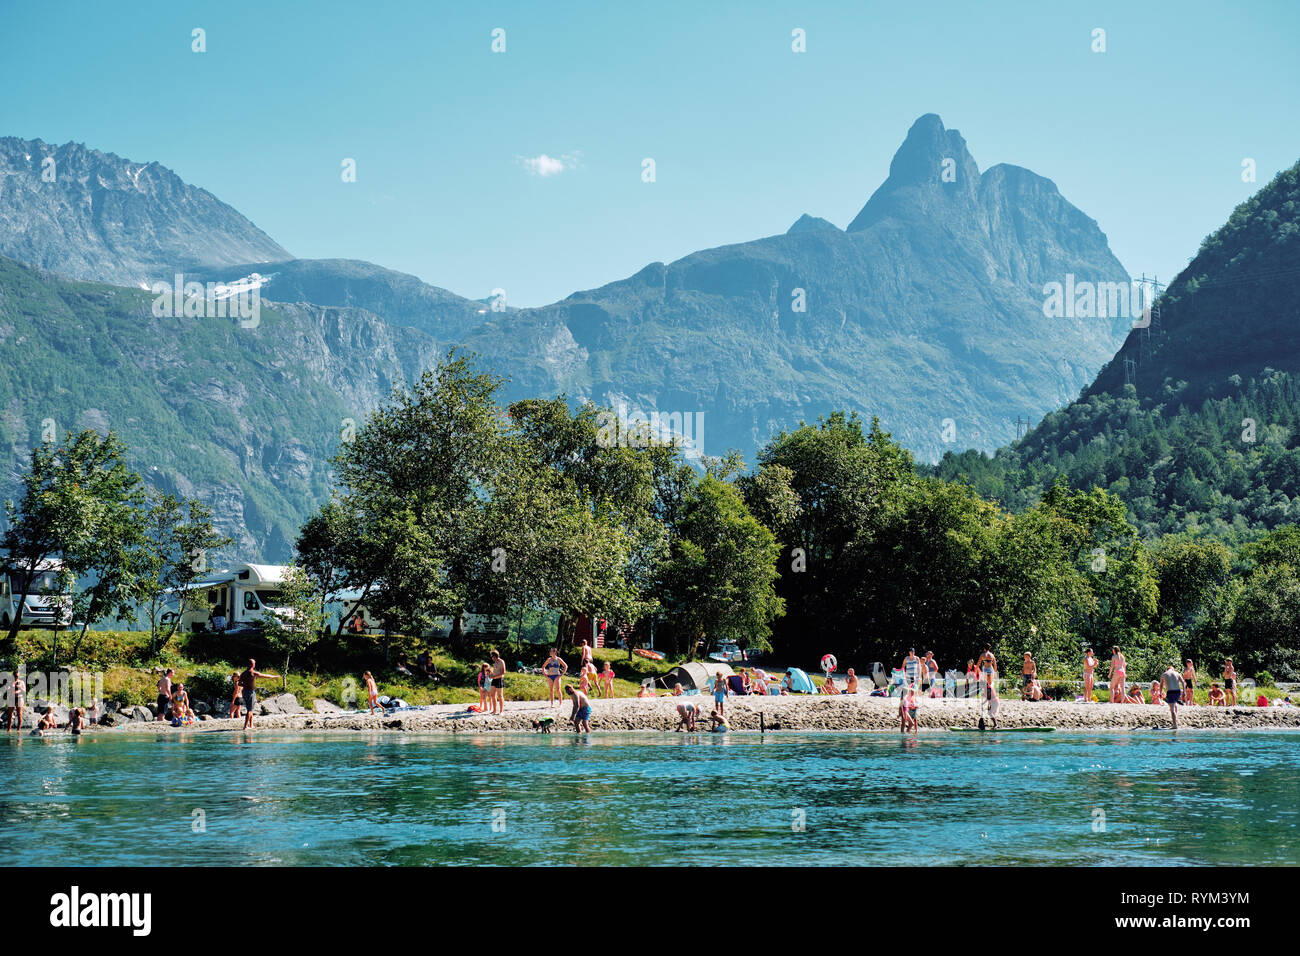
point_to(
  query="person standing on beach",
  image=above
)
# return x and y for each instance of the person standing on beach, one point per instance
(1089, 665)
(586, 654)
(581, 716)
(235, 695)
(931, 667)
(498, 696)
(372, 692)
(248, 685)
(484, 686)
(1230, 682)
(164, 694)
(1173, 691)
(912, 667)
(719, 694)
(19, 690)
(972, 678)
(1028, 671)
(1189, 681)
(1118, 666)
(554, 669)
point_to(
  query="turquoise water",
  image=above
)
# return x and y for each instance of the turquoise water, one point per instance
(868, 799)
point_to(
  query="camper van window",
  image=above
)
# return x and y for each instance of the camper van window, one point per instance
(250, 601)
(271, 598)
(46, 582)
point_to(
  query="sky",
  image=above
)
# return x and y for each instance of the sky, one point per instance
(523, 169)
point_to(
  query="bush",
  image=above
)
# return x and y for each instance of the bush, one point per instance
(1264, 679)
(209, 683)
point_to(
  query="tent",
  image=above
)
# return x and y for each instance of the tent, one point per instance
(800, 682)
(695, 675)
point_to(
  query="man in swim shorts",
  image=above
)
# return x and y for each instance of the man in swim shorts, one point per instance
(247, 685)
(1230, 682)
(554, 670)
(581, 716)
(1173, 691)
(1189, 682)
(165, 694)
(497, 694)
(1027, 672)
(719, 693)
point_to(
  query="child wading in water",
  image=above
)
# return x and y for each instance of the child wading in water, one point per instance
(372, 691)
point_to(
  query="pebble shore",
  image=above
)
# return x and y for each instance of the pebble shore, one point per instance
(794, 713)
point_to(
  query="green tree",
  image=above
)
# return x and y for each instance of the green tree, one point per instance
(301, 622)
(178, 539)
(719, 580)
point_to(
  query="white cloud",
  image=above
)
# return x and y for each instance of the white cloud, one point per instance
(544, 165)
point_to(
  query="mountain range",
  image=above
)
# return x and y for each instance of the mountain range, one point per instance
(927, 311)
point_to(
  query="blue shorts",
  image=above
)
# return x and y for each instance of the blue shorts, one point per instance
(1174, 696)
(719, 695)
(584, 714)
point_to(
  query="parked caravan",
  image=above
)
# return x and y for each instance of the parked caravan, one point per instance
(48, 602)
(243, 596)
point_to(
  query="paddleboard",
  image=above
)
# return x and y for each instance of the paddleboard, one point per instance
(1000, 730)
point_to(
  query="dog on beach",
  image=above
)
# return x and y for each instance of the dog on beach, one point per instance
(543, 726)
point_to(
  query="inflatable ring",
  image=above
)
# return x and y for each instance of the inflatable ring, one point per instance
(648, 654)
(829, 663)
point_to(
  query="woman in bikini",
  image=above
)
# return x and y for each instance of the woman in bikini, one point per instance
(972, 678)
(1089, 666)
(1117, 667)
(235, 695)
(554, 669)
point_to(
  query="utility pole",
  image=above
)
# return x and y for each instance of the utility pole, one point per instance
(1022, 425)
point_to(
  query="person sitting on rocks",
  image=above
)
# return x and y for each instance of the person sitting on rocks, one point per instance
(830, 687)
(1033, 690)
(48, 722)
(1135, 695)
(1217, 697)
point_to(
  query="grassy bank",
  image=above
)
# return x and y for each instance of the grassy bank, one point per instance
(331, 671)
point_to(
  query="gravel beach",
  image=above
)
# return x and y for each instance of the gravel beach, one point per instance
(843, 713)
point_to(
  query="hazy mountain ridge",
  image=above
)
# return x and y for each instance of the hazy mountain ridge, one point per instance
(107, 219)
(926, 312)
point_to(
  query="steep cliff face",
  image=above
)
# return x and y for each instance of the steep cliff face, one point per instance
(242, 418)
(92, 215)
(927, 311)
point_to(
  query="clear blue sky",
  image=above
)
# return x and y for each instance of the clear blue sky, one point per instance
(1147, 138)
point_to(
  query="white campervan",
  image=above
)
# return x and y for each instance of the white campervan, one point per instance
(47, 603)
(243, 595)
